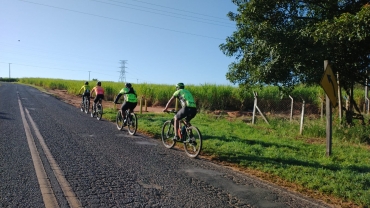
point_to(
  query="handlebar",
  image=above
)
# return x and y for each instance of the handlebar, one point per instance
(170, 111)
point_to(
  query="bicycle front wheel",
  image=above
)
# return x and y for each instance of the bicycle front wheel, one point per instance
(168, 134)
(119, 121)
(132, 124)
(193, 142)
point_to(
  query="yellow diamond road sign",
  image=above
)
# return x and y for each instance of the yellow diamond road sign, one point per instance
(330, 85)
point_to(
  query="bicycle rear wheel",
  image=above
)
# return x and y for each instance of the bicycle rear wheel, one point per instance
(168, 134)
(119, 121)
(82, 106)
(193, 142)
(132, 123)
(99, 112)
(93, 111)
(86, 105)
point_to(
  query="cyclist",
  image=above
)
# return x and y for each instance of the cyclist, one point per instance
(99, 93)
(188, 110)
(86, 91)
(130, 98)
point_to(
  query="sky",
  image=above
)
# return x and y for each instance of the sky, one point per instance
(159, 41)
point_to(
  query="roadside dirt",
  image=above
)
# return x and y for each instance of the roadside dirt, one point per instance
(335, 202)
(76, 101)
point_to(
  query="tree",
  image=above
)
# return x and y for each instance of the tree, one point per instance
(285, 42)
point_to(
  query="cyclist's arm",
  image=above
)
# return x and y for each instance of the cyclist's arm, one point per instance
(117, 97)
(92, 91)
(169, 102)
(80, 90)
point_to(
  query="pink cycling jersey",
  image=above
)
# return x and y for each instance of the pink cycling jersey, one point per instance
(98, 90)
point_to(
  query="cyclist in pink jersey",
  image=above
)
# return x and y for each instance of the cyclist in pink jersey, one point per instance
(99, 92)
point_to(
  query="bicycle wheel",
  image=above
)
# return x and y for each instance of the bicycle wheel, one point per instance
(168, 134)
(93, 112)
(132, 123)
(193, 142)
(99, 112)
(119, 121)
(86, 106)
(82, 106)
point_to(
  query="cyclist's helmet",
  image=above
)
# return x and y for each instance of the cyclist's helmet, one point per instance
(180, 85)
(98, 83)
(128, 85)
(86, 83)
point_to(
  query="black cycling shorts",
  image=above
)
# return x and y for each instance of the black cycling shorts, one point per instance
(188, 113)
(128, 105)
(97, 97)
(87, 94)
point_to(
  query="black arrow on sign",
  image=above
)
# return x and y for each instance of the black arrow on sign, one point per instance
(331, 81)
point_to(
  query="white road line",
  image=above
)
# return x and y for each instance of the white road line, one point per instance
(64, 184)
(44, 183)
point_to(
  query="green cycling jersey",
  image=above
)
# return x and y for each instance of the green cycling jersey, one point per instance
(185, 97)
(85, 88)
(129, 94)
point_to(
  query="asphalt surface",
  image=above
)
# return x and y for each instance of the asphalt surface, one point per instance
(105, 167)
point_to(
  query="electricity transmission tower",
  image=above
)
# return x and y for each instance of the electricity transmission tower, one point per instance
(122, 75)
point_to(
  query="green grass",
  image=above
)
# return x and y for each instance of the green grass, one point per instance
(279, 151)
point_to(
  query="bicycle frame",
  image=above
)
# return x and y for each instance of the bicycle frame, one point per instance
(97, 109)
(129, 120)
(85, 104)
(191, 139)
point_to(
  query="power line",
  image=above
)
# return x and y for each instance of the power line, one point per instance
(167, 12)
(177, 9)
(42, 55)
(70, 10)
(44, 67)
(55, 52)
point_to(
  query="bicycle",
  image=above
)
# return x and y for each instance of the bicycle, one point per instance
(130, 120)
(85, 104)
(189, 135)
(98, 111)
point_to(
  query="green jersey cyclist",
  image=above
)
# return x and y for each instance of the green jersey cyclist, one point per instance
(86, 91)
(189, 107)
(130, 98)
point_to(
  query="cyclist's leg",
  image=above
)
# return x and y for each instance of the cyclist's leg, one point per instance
(132, 106)
(179, 115)
(88, 99)
(124, 107)
(101, 96)
(190, 114)
(95, 101)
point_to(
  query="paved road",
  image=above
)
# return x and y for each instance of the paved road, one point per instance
(54, 155)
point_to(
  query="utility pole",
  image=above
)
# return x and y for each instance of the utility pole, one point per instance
(122, 76)
(89, 75)
(9, 70)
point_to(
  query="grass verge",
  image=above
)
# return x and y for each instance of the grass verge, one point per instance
(277, 153)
